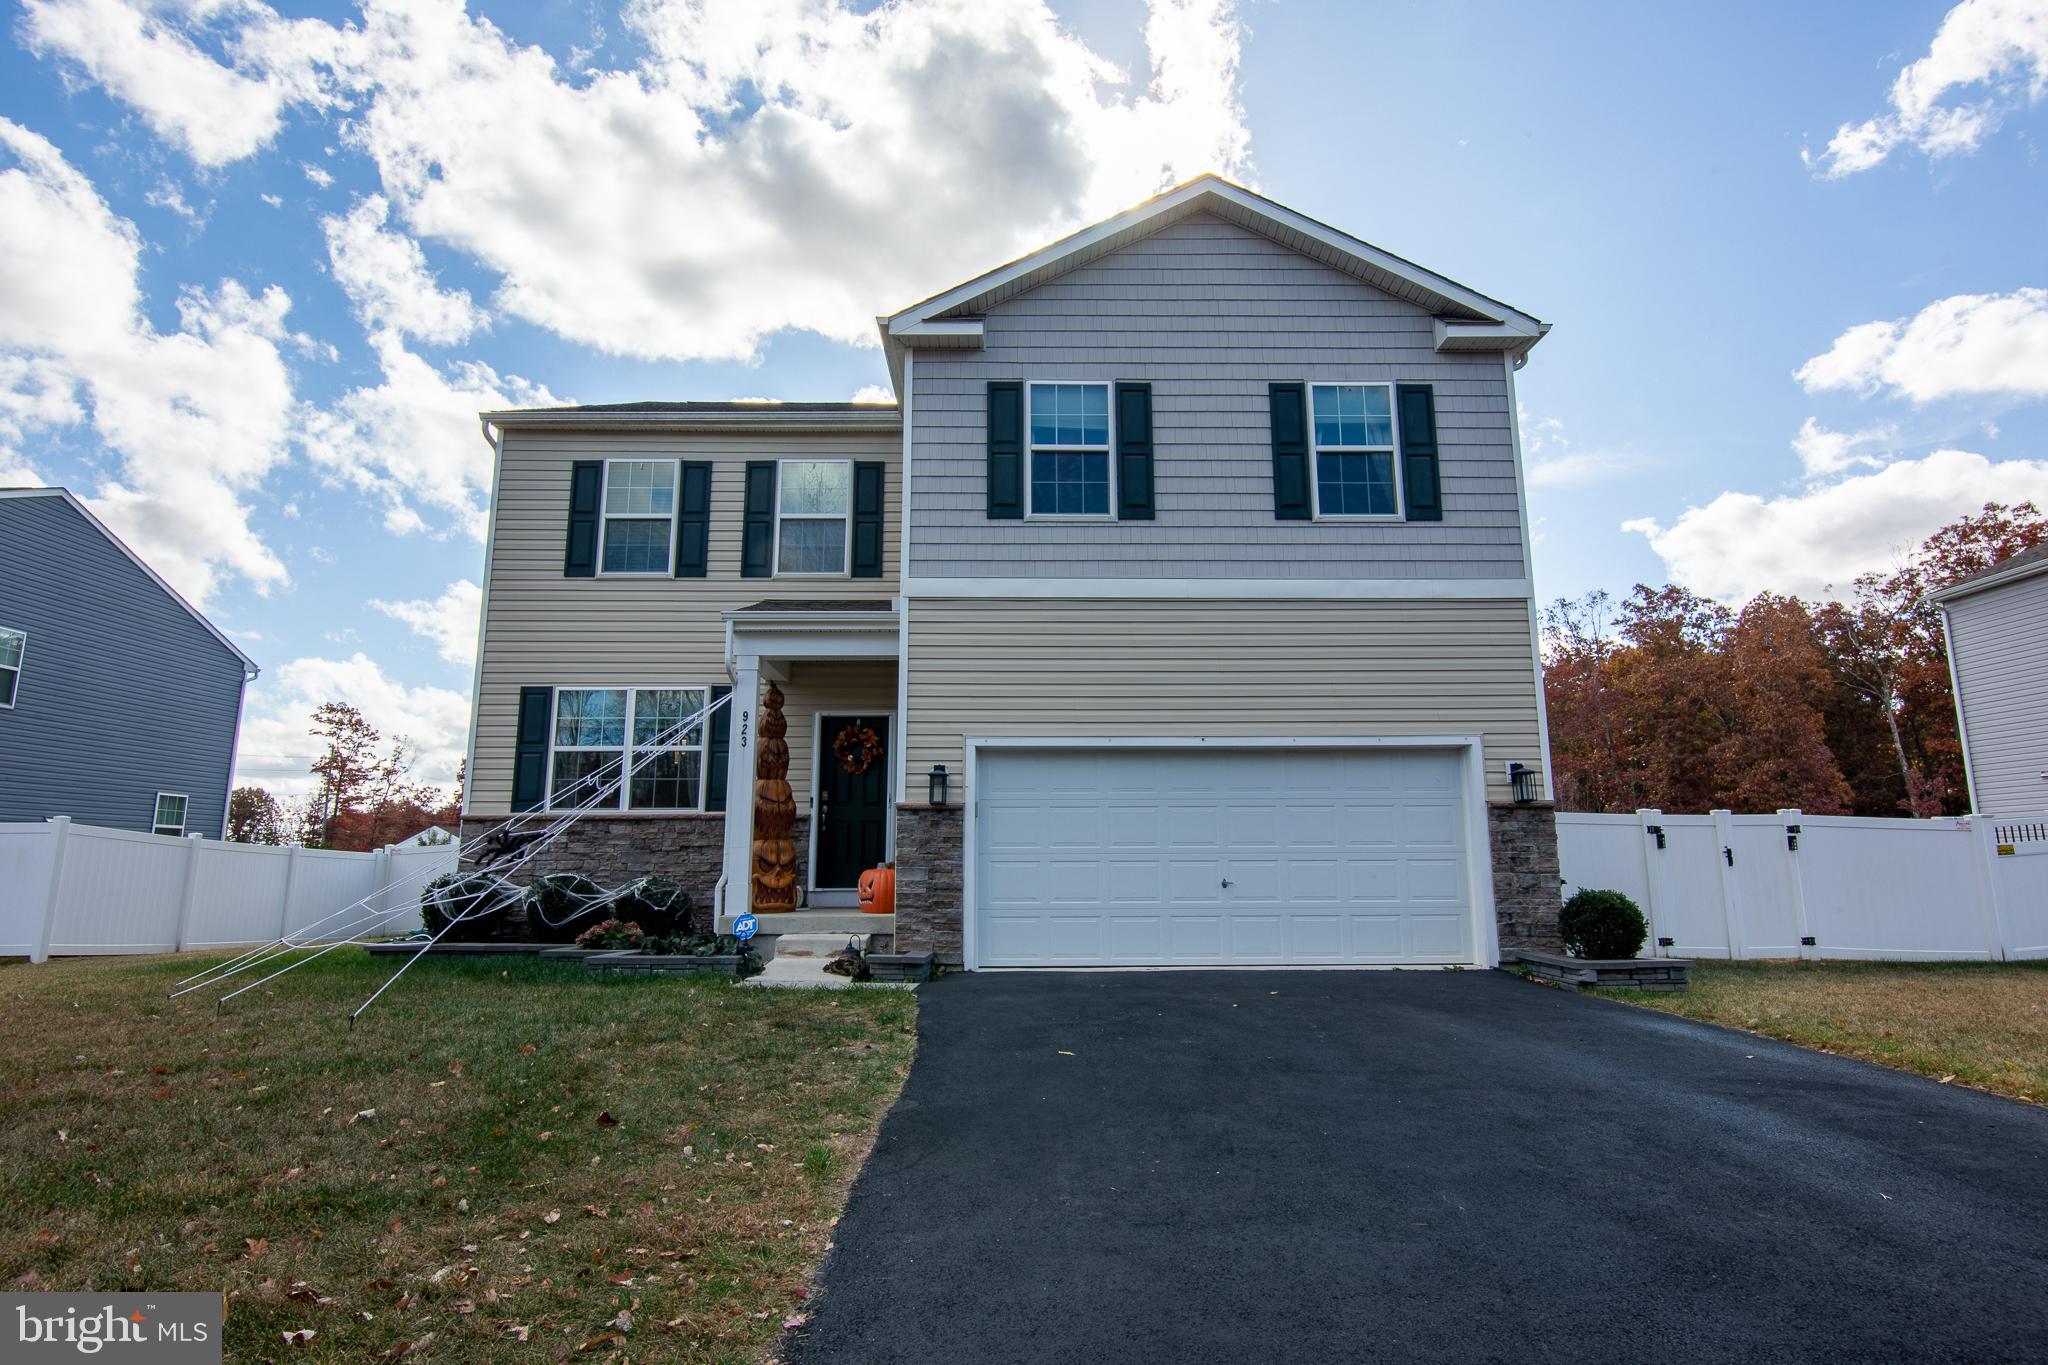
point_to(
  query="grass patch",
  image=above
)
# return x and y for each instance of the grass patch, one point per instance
(1983, 1024)
(514, 1159)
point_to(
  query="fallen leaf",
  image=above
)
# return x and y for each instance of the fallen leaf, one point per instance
(606, 1120)
(528, 1050)
(455, 1068)
(597, 1343)
(551, 1217)
(793, 1320)
(257, 1246)
(518, 1331)
(298, 1338)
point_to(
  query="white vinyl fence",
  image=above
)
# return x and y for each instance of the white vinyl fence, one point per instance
(1820, 886)
(68, 889)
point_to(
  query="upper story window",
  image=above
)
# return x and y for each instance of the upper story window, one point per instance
(656, 733)
(639, 516)
(1070, 464)
(813, 510)
(13, 644)
(1356, 471)
(170, 814)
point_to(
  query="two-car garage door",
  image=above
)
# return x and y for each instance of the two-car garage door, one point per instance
(1197, 857)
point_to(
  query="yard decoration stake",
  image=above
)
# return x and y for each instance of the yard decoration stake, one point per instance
(774, 813)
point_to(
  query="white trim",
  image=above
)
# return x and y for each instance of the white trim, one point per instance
(483, 613)
(902, 484)
(811, 887)
(1392, 450)
(1955, 691)
(1529, 569)
(605, 515)
(1108, 449)
(898, 758)
(628, 751)
(845, 519)
(100, 526)
(1455, 335)
(1479, 865)
(1222, 589)
(157, 826)
(20, 666)
(771, 417)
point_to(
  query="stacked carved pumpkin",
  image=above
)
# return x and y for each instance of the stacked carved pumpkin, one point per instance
(774, 813)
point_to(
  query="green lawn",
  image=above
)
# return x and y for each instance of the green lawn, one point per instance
(1973, 1023)
(505, 1160)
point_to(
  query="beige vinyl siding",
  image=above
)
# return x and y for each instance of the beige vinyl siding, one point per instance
(2000, 638)
(542, 629)
(866, 686)
(1210, 314)
(1205, 667)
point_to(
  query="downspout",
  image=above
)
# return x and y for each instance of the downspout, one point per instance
(1955, 691)
(235, 744)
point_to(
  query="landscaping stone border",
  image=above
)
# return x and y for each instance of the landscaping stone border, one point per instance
(728, 963)
(1634, 973)
(900, 966)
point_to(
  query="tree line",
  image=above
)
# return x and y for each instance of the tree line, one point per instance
(364, 797)
(1670, 700)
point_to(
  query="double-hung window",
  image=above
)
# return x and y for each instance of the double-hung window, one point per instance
(636, 748)
(13, 644)
(1070, 464)
(169, 817)
(813, 512)
(1356, 472)
(639, 516)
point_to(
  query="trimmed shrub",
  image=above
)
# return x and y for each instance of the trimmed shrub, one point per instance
(656, 904)
(1602, 924)
(459, 897)
(555, 904)
(619, 936)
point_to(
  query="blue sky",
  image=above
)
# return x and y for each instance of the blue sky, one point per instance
(259, 267)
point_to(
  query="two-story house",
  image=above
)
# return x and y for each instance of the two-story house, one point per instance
(119, 703)
(1179, 613)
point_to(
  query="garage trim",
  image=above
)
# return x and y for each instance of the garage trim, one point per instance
(1471, 748)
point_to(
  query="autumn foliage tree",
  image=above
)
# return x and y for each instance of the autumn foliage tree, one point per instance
(366, 797)
(1677, 702)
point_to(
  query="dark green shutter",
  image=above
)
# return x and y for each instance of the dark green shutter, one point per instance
(1005, 450)
(1418, 453)
(530, 758)
(1290, 453)
(586, 486)
(867, 519)
(693, 521)
(718, 753)
(757, 540)
(1134, 452)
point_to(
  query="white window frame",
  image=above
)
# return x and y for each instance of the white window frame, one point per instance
(629, 751)
(17, 668)
(1315, 450)
(845, 568)
(156, 809)
(605, 517)
(1108, 451)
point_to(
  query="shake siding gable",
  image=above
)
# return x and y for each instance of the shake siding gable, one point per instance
(1210, 314)
(2000, 637)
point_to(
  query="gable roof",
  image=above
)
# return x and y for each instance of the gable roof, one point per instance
(2025, 564)
(1466, 319)
(12, 493)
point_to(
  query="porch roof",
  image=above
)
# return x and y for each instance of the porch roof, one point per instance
(779, 631)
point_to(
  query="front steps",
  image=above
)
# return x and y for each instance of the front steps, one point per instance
(799, 960)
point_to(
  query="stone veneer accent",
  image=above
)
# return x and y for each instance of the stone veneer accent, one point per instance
(930, 881)
(611, 849)
(1527, 890)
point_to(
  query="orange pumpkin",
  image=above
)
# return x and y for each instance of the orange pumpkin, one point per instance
(878, 891)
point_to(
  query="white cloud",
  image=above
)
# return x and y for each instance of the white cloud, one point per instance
(1824, 453)
(874, 393)
(275, 201)
(449, 621)
(169, 197)
(1806, 543)
(1965, 344)
(385, 276)
(197, 416)
(1999, 48)
(319, 175)
(276, 748)
(767, 164)
(1548, 460)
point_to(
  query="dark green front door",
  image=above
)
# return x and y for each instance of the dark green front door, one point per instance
(853, 798)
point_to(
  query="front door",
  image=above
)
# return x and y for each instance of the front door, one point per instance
(853, 798)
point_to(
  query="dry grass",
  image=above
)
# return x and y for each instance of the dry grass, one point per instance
(1979, 1024)
(504, 1161)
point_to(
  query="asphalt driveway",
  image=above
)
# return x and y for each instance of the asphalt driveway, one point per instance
(1344, 1166)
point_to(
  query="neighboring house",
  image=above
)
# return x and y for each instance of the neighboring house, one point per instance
(119, 702)
(1195, 554)
(431, 837)
(1997, 628)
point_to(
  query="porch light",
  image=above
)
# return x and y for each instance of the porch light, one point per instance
(1526, 787)
(938, 784)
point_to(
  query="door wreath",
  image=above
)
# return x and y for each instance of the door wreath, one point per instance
(857, 747)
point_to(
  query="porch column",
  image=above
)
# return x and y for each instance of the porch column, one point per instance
(739, 785)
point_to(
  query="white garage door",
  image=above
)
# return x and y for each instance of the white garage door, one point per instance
(1123, 857)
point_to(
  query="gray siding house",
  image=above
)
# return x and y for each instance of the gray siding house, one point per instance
(1178, 614)
(1997, 627)
(119, 703)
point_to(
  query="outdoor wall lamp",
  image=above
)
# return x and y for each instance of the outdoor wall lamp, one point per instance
(938, 784)
(1524, 781)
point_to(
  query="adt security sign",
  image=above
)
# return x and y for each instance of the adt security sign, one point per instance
(745, 927)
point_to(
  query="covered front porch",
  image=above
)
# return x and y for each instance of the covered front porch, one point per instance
(835, 667)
